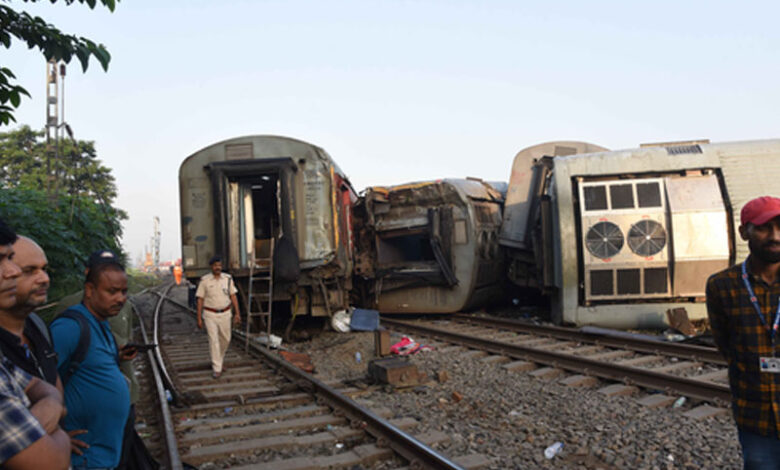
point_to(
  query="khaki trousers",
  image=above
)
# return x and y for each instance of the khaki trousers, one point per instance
(218, 328)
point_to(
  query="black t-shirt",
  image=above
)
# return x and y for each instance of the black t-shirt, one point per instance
(39, 360)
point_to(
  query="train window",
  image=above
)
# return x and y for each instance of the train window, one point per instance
(648, 194)
(622, 196)
(628, 281)
(601, 282)
(400, 249)
(655, 281)
(595, 198)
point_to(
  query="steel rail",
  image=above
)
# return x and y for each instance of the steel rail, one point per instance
(156, 339)
(687, 351)
(699, 389)
(418, 454)
(169, 435)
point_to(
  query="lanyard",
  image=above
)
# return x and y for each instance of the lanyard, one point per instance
(754, 300)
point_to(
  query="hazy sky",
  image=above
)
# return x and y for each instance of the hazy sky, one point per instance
(399, 91)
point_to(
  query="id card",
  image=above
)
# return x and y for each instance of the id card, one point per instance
(769, 364)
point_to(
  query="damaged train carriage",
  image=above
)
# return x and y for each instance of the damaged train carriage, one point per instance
(430, 247)
(622, 237)
(240, 194)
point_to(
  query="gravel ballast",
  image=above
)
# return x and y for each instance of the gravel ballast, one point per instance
(512, 417)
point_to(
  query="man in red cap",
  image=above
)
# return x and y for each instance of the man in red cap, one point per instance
(743, 305)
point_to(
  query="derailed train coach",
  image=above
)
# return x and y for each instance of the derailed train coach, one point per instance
(618, 238)
(239, 194)
(430, 247)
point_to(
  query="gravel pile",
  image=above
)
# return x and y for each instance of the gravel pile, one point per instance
(512, 417)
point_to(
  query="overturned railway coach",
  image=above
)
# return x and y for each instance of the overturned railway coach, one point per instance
(618, 238)
(430, 247)
(242, 196)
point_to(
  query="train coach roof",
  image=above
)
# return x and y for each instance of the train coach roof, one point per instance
(690, 150)
(470, 187)
(282, 141)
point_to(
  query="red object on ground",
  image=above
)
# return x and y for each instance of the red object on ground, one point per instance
(299, 360)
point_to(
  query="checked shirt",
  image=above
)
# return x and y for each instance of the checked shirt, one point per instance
(742, 339)
(19, 427)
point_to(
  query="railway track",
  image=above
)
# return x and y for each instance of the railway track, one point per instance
(675, 369)
(265, 413)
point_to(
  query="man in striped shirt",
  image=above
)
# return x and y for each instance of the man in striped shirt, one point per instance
(743, 305)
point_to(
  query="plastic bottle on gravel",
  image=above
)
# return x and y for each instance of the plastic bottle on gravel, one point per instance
(553, 450)
(358, 357)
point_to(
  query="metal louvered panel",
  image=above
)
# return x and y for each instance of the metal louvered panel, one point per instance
(681, 149)
(748, 176)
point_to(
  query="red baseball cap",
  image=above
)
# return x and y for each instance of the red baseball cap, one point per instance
(760, 210)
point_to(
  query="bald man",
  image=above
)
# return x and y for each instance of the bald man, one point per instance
(23, 338)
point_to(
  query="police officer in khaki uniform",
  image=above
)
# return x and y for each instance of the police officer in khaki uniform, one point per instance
(216, 295)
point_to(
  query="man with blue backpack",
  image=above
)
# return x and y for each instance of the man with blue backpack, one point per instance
(97, 395)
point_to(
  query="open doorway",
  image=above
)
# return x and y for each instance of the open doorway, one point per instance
(265, 211)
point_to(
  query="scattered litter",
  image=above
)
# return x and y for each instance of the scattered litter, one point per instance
(228, 409)
(408, 346)
(340, 321)
(553, 450)
(515, 413)
(339, 445)
(275, 341)
(168, 396)
(457, 396)
(358, 357)
(443, 376)
(673, 337)
(678, 319)
(329, 427)
(670, 458)
(679, 402)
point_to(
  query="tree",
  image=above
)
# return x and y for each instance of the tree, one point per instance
(77, 171)
(53, 44)
(68, 229)
(69, 222)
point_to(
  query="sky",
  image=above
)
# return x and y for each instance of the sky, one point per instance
(400, 91)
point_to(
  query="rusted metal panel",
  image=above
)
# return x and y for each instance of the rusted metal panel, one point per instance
(433, 246)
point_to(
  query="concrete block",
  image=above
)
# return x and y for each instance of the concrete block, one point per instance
(615, 390)
(520, 366)
(657, 400)
(579, 381)
(705, 411)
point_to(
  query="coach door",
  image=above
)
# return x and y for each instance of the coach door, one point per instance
(240, 224)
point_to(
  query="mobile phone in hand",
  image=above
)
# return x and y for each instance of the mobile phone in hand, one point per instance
(141, 347)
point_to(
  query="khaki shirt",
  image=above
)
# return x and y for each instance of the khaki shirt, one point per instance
(216, 292)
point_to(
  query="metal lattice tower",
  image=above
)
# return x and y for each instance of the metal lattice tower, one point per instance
(52, 117)
(156, 241)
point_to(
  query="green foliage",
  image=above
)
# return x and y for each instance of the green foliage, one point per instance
(53, 44)
(68, 228)
(138, 280)
(74, 166)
